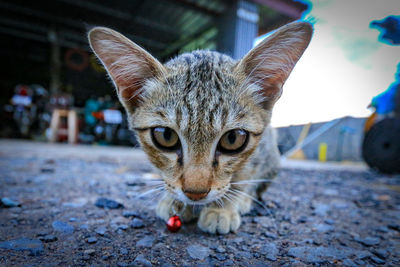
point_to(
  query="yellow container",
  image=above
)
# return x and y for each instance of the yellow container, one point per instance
(323, 152)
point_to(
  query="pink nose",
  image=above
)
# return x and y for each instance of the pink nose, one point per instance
(195, 195)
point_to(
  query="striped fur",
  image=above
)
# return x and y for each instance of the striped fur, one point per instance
(202, 95)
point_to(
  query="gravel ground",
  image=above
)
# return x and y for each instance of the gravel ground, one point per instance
(77, 205)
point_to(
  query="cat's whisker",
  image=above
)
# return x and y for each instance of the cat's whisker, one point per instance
(252, 181)
(244, 194)
(157, 188)
(232, 199)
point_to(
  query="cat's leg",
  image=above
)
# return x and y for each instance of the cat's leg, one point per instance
(169, 206)
(225, 218)
(214, 219)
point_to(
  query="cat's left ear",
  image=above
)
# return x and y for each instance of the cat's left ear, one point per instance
(128, 65)
(269, 64)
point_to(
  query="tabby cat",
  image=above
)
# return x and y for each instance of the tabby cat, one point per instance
(203, 119)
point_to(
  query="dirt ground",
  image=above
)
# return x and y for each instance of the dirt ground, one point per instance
(313, 214)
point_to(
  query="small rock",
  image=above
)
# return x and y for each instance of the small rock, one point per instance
(136, 223)
(270, 235)
(123, 226)
(92, 240)
(270, 251)
(122, 264)
(9, 203)
(108, 203)
(348, 262)
(89, 252)
(329, 221)
(377, 260)
(368, 241)
(63, 227)
(363, 255)
(146, 242)
(381, 253)
(198, 252)
(48, 238)
(34, 246)
(142, 261)
(220, 256)
(382, 229)
(220, 249)
(130, 213)
(101, 230)
(323, 228)
(123, 251)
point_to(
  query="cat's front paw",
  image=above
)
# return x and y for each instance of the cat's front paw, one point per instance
(168, 207)
(218, 220)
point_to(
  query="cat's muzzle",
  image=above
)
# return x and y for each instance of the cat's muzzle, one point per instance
(195, 195)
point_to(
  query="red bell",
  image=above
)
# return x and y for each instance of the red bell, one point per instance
(174, 224)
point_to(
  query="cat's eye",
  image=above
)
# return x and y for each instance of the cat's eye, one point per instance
(233, 141)
(165, 138)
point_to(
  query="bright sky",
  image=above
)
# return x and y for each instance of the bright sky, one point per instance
(344, 66)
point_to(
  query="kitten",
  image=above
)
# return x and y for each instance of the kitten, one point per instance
(203, 119)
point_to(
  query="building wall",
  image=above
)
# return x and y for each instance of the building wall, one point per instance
(344, 140)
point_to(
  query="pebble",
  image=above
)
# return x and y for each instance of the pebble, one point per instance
(142, 261)
(136, 223)
(323, 228)
(220, 249)
(349, 263)
(123, 251)
(63, 227)
(101, 230)
(89, 252)
(220, 256)
(92, 240)
(34, 246)
(123, 226)
(108, 204)
(363, 255)
(146, 242)
(377, 260)
(368, 241)
(130, 213)
(198, 252)
(9, 203)
(270, 251)
(48, 238)
(270, 235)
(381, 253)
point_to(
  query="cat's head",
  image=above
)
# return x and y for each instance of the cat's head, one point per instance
(200, 116)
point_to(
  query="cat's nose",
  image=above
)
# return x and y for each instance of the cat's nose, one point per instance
(195, 195)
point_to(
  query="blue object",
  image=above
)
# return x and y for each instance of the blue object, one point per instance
(389, 28)
(384, 103)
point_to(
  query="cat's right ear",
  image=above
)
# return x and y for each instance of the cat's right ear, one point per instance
(269, 64)
(128, 65)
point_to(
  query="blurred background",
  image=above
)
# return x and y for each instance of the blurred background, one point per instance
(53, 88)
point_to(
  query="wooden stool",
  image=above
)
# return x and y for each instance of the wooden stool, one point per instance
(72, 125)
